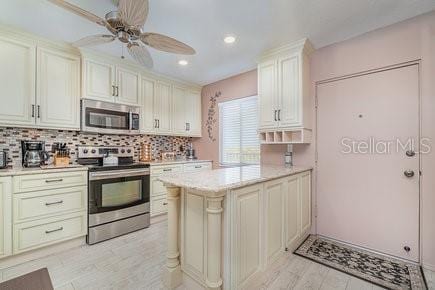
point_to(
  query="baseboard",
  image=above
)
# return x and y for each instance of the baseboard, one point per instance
(159, 218)
(41, 253)
(428, 267)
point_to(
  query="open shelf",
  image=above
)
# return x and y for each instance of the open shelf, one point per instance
(287, 136)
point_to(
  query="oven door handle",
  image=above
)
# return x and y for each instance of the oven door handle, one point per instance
(117, 174)
(130, 121)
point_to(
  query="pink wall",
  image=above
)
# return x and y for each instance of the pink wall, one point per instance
(242, 85)
(410, 40)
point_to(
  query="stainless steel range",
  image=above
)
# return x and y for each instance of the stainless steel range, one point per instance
(118, 192)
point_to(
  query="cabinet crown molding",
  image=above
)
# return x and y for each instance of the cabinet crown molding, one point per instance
(303, 45)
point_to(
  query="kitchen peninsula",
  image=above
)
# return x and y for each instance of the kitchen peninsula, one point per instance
(226, 226)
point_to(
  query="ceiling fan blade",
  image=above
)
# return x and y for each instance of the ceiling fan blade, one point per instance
(79, 11)
(133, 12)
(165, 43)
(94, 40)
(140, 54)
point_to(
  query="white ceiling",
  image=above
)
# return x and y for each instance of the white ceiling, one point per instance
(258, 25)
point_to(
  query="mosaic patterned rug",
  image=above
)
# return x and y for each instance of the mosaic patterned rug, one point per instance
(381, 270)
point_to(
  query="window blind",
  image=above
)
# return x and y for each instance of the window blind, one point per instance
(239, 142)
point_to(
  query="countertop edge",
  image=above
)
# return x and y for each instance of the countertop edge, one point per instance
(167, 181)
(30, 171)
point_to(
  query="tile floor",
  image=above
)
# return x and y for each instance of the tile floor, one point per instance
(137, 260)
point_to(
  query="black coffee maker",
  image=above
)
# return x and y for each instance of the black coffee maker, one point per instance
(33, 153)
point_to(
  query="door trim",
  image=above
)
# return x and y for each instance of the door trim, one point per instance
(416, 62)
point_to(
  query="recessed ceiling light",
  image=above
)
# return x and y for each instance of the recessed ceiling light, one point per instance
(183, 62)
(230, 39)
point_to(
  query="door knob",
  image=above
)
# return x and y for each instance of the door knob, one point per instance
(408, 173)
(410, 153)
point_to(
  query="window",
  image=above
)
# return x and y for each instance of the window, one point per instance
(238, 122)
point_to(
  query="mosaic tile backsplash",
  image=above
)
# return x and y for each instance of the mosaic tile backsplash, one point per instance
(10, 140)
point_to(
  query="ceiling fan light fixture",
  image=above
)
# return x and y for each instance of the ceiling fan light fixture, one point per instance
(183, 62)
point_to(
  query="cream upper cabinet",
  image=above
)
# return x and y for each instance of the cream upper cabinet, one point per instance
(109, 82)
(127, 90)
(58, 89)
(163, 107)
(5, 216)
(98, 80)
(17, 80)
(283, 87)
(186, 112)
(194, 113)
(179, 112)
(148, 91)
(267, 94)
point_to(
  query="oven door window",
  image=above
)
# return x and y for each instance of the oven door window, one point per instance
(99, 118)
(118, 193)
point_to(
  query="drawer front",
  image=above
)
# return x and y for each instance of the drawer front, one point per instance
(159, 205)
(157, 170)
(34, 182)
(32, 235)
(39, 204)
(157, 187)
(197, 167)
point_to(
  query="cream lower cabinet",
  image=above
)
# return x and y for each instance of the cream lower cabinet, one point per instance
(48, 209)
(266, 220)
(159, 204)
(5, 216)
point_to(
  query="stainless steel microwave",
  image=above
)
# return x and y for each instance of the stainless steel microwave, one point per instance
(109, 118)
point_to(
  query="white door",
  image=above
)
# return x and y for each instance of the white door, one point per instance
(17, 82)
(363, 196)
(267, 94)
(99, 81)
(289, 92)
(127, 87)
(292, 209)
(58, 89)
(274, 200)
(193, 113)
(147, 117)
(5, 216)
(163, 107)
(179, 113)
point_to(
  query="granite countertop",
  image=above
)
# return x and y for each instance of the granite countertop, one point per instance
(168, 162)
(229, 178)
(39, 170)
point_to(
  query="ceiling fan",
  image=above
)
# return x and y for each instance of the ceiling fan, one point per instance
(126, 26)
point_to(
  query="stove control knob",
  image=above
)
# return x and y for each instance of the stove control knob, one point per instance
(93, 151)
(85, 151)
(122, 151)
(128, 150)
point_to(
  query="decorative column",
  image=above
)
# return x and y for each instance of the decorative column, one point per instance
(214, 242)
(172, 277)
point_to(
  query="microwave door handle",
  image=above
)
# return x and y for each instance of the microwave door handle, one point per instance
(130, 120)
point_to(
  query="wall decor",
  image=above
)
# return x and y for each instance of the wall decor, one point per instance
(10, 141)
(211, 119)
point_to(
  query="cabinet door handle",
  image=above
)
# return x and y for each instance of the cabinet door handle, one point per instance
(53, 180)
(188, 126)
(158, 123)
(279, 115)
(165, 203)
(167, 169)
(53, 203)
(33, 111)
(52, 231)
(117, 91)
(198, 166)
(39, 111)
(274, 115)
(113, 90)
